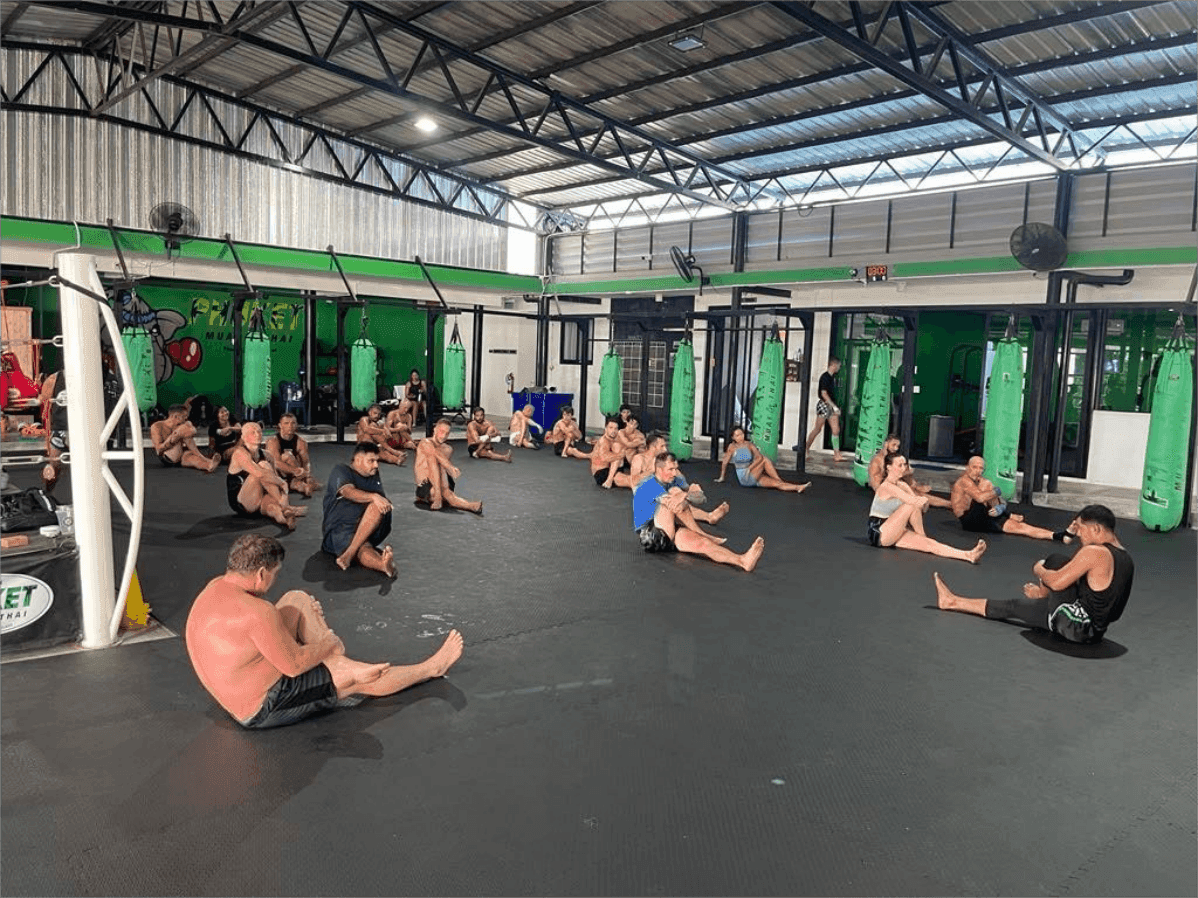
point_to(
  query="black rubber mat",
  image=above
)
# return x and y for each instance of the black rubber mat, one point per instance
(621, 723)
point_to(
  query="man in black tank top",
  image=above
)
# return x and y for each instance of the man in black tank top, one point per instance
(1077, 598)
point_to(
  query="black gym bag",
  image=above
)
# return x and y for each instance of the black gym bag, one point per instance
(28, 509)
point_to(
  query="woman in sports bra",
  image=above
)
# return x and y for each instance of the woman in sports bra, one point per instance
(753, 468)
(253, 485)
(896, 517)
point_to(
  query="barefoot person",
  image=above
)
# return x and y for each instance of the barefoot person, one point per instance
(896, 517)
(978, 505)
(664, 521)
(357, 515)
(607, 459)
(629, 437)
(436, 474)
(373, 429)
(876, 475)
(643, 464)
(482, 435)
(174, 442)
(1076, 598)
(253, 486)
(566, 435)
(521, 427)
(223, 435)
(753, 468)
(826, 409)
(399, 429)
(271, 665)
(289, 453)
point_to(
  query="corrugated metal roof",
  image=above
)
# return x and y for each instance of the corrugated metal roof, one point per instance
(763, 96)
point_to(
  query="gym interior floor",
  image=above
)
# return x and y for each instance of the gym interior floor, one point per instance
(622, 723)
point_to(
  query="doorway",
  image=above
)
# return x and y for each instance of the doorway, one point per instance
(646, 333)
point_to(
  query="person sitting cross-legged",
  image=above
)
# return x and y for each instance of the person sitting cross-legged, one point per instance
(357, 513)
(289, 452)
(664, 521)
(482, 435)
(271, 665)
(978, 505)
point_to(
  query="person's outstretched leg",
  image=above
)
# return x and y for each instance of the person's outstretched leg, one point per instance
(694, 544)
(456, 501)
(920, 543)
(947, 600)
(686, 517)
(1015, 524)
(360, 678)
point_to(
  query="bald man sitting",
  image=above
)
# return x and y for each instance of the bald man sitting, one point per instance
(978, 505)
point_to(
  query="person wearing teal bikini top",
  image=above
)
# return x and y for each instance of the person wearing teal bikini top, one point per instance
(753, 468)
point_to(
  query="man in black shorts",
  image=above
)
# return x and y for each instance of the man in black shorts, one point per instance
(664, 520)
(357, 515)
(482, 436)
(435, 473)
(271, 665)
(978, 505)
(1077, 598)
(174, 442)
(826, 409)
(608, 466)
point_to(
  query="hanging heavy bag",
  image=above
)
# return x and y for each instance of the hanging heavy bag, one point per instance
(682, 401)
(1163, 493)
(363, 373)
(1004, 415)
(873, 419)
(767, 398)
(611, 384)
(255, 370)
(140, 351)
(453, 391)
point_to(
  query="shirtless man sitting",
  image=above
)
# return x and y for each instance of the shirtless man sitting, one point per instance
(482, 435)
(607, 458)
(435, 473)
(175, 445)
(373, 429)
(877, 474)
(521, 427)
(976, 503)
(289, 453)
(629, 437)
(271, 665)
(565, 435)
(399, 426)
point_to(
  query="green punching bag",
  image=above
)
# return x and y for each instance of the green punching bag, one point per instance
(363, 373)
(255, 370)
(682, 401)
(1004, 414)
(140, 351)
(873, 418)
(453, 382)
(767, 399)
(611, 384)
(1164, 492)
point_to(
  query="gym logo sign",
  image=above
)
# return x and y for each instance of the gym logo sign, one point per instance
(23, 600)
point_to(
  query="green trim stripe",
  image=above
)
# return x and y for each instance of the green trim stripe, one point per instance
(30, 230)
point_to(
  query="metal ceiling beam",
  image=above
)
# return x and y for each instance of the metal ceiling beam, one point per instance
(685, 173)
(917, 72)
(352, 163)
(10, 20)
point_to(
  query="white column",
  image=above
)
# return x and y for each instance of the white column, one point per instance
(85, 420)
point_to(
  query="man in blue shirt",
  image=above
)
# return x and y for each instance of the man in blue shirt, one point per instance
(664, 522)
(357, 515)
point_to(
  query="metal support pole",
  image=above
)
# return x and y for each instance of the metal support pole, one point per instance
(430, 364)
(584, 331)
(906, 417)
(541, 373)
(235, 304)
(309, 361)
(1095, 351)
(1040, 378)
(808, 321)
(85, 418)
(476, 358)
(342, 364)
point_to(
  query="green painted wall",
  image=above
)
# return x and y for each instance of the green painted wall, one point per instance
(948, 345)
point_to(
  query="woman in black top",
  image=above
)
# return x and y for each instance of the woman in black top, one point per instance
(223, 434)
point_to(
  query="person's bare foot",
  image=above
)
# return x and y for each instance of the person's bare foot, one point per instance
(213, 464)
(607, 485)
(720, 511)
(344, 560)
(945, 598)
(803, 487)
(507, 458)
(389, 562)
(977, 551)
(295, 510)
(749, 560)
(444, 657)
(478, 508)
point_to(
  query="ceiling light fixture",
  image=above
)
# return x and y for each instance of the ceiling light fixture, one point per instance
(426, 124)
(688, 40)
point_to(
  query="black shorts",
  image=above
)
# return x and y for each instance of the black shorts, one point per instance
(167, 463)
(875, 533)
(654, 539)
(424, 491)
(233, 485)
(291, 699)
(337, 539)
(1072, 622)
(558, 447)
(600, 476)
(978, 520)
(472, 449)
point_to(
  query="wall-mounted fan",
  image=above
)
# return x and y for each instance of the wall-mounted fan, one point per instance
(1039, 246)
(175, 223)
(684, 264)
